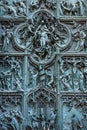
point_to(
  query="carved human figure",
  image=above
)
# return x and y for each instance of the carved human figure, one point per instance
(42, 33)
(85, 72)
(51, 120)
(6, 39)
(81, 81)
(11, 120)
(81, 7)
(65, 81)
(51, 4)
(42, 48)
(79, 38)
(50, 77)
(78, 78)
(29, 119)
(20, 7)
(33, 77)
(5, 80)
(42, 121)
(75, 77)
(69, 7)
(12, 77)
(84, 122)
(18, 84)
(75, 123)
(2, 33)
(15, 67)
(66, 76)
(9, 9)
(34, 4)
(13, 8)
(34, 121)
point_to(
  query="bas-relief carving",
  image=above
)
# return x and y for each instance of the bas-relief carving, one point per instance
(6, 37)
(41, 38)
(10, 112)
(42, 77)
(41, 121)
(11, 74)
(40, 74)
(72, 8)
(73, 74)
(38, 4)
(79, 35)
(12, 8)
(41, 110)
(50, 38)
(74, 113)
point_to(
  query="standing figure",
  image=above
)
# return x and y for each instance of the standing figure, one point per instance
(81, 80)
(81, 35)
(42, 32)
(6, 39)
(34, 122)
(81, 7)
(75, 123)
(51, 120)
(50, 78)
(5, 80)
(2, 33)
(84, 122)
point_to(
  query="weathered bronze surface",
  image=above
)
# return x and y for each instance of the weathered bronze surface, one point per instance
(43, 65)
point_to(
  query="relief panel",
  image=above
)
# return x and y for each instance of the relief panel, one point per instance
(72, 7)
(41, 110)
(49, 5)
(11, 73)
(73, 74)
(74, 112)
(43, 65)
(11, 117)
(12, 8)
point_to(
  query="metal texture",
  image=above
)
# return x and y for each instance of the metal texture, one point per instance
(43, 65)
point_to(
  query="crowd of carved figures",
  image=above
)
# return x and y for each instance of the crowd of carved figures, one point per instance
(45, 36)
(12, 8)
(72, 7)
(10, 113)
(18, 8)
(43, 65)
(42, 78)
(42, 120)
(73, 74)
(11, 74)
(76, 111)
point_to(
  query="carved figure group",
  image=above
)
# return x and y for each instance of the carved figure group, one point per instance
(78, 124)
(11, 120)
(34, 4)
(7, 37)
(49, 4)
(11, 77)
(5, 78)
(72, 77)
(42, 34)
(42, 121)
(12, 8)
(72, 8)
(75, 123)
(79, 36)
